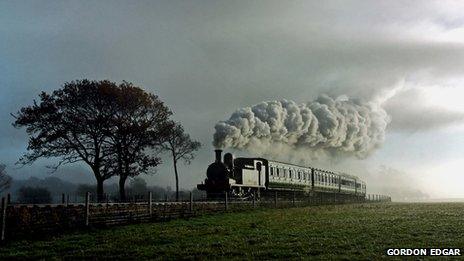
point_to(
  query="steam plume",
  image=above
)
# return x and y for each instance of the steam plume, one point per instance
(341, 126)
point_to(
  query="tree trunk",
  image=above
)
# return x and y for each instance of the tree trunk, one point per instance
(122, 188)
(100, 196)
(100, 180)
(177, 179)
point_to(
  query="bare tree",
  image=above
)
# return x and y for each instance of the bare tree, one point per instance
(181, 147)
(141, 122)
(5, 180)
(71, 124)
(109, 127)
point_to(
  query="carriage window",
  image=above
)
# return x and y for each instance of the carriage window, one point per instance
(272, 171)
(290, 173)
(277, 172)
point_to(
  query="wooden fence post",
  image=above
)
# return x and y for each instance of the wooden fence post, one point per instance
(4, 207)
(293, 198)
(63, 199)
(165, 206)
(8, 199)
(254, 200)
(191, 202)
(67, 200)
(87, 208)
(150, 204)
(275, 198)
(226, 201)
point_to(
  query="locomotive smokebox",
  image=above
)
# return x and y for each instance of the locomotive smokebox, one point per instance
(218, 155)
(229, 160)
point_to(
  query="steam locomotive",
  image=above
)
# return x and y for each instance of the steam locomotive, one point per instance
(246, 177)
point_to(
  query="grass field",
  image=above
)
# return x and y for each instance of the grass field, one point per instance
(361, 231)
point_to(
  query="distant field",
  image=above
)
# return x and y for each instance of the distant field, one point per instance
(345, 231)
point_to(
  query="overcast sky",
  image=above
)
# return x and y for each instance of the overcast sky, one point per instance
(205, 59)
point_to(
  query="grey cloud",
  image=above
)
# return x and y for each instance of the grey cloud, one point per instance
(410, 113)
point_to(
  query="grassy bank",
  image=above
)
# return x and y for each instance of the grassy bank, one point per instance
(346, 231)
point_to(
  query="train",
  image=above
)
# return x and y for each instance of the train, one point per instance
(259, 177)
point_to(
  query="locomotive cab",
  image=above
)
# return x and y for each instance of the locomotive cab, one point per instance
(251, 171)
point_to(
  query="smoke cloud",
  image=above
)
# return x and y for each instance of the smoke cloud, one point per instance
(340, 126)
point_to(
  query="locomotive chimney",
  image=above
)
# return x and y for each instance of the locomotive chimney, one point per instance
(229, 160)
(218, 155)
